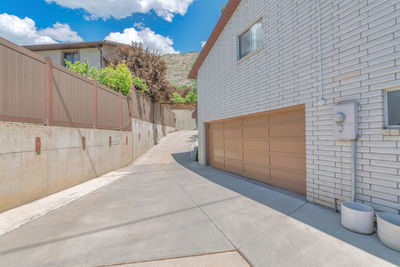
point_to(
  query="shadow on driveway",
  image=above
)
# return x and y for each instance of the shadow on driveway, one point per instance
(318, 217)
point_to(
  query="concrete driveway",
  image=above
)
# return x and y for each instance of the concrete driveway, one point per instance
(169, 208)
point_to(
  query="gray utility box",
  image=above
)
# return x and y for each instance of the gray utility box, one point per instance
(346, 121)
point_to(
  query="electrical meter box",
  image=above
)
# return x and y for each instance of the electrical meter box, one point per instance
(345, 117)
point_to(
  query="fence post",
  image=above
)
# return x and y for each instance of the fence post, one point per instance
(120, 112)
(95, 104)
(49, 92)
(131, 105)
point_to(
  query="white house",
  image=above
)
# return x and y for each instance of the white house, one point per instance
(93, 51)
(286, 87)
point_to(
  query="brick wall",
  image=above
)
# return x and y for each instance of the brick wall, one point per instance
(361, 58)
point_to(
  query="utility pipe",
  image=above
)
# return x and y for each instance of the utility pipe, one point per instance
(101, 56)
(354, 166)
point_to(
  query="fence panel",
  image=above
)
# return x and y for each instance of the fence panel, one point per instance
(73, 99)
(108, 108)
(22, 84)
(126, 120)
(33, 89)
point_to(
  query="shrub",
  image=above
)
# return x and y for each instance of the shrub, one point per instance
(116, 78)
(140, 84)
(83, 69)
(191, 97)
(177, 98)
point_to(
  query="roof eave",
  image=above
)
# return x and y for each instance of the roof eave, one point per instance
(222, 22)
(90, 44)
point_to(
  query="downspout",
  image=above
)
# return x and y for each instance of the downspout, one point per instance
(322, 100)
(101, 56)
(354, 166)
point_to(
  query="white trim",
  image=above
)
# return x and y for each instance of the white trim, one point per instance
(250, 25)
(386, 108)
(239, 59)
(70, 51)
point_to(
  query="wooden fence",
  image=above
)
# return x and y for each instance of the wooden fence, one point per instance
(35, 90)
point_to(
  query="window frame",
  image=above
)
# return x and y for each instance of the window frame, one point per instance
(70, 51)
(386, 109)
(248, 28)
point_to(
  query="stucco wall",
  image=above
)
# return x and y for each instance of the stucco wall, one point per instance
(91, 54)
(62, 163)
(55, 55)
(361, 58)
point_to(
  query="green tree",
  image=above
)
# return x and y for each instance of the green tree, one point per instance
(149, 66)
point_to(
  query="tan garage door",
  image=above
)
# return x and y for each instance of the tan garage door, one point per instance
(268, 146)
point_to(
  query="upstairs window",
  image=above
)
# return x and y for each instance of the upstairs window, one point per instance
(71, 56)
(392, 112)
(251, 40)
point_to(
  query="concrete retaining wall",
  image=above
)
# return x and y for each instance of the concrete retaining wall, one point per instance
(146, 135)
(26, 176)
(62, 163)
(184, 120)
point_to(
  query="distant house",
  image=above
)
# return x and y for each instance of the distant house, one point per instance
(93, 51)
(285, 88)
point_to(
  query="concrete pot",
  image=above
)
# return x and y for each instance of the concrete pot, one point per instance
(389, 229)
(358, 217)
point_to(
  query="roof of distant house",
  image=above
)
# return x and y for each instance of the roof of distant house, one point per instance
(222, 22)
(57, 46)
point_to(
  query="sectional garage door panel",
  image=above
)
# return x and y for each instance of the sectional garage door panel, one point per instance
(216, 142)
(268, 147)
(255, 147)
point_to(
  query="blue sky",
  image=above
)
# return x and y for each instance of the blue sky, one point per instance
(168, 26)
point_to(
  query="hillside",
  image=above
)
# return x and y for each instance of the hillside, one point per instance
(179, 66)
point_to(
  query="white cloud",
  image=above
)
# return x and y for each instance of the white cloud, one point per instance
(203, 43)
(61, 32)
(150, 40)
(24, 31)
(139, 25)
(120, 9)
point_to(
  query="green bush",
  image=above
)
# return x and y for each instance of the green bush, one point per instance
(83, 69)
(140, 84)
(177, 98)
(191, 97)
(117, 78)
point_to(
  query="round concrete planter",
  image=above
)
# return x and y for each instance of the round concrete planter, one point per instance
(389, 229)
(358, 217)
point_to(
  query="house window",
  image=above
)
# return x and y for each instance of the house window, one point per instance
(251, 40)
(392, 106)
(71, 56)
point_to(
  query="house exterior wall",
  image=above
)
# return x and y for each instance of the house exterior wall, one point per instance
(91, 54)
(361, 59)
(55, 55)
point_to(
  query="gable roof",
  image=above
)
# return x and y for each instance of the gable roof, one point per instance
(222, 22)
(57, 46)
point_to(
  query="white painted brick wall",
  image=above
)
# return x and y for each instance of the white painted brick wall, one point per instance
(362, 36)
